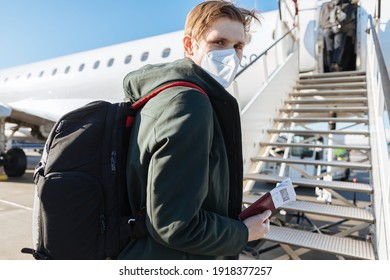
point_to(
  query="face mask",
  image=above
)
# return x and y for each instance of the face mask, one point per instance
(222, 65)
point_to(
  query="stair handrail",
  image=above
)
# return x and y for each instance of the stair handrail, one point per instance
(264, 52)
(385, 80)
(379, 106)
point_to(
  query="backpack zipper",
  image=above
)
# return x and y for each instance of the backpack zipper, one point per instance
(103, 225)
(114, 161)
(58, 129)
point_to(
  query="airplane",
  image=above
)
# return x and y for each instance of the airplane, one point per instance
(265, 114)
(36, 95)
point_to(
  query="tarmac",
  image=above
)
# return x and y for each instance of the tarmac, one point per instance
(16, 205)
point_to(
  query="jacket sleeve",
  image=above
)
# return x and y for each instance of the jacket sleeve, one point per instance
(324, 17)
(178, 182)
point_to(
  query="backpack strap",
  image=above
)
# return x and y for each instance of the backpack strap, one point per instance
(141, 102)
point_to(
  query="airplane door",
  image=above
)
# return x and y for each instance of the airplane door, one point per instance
(308, 35)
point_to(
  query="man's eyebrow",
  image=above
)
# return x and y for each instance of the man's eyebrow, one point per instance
(219, 38)
(223, 39)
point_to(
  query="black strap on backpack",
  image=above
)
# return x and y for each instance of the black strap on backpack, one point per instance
(135, 107)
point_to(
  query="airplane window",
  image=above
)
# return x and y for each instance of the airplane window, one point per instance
(54, 72)
(128, 59)
(41, 74)
(67, 69)
(81, 67)
(96, 65)
(110, 62)
(29, 76)
(166, 52)
(144, 56)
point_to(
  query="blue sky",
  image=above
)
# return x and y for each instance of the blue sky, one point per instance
(33, 30)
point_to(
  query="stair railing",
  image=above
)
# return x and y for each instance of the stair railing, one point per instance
(276, 72)
(379, 115)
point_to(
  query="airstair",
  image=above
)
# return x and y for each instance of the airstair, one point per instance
(325, 131)
(338, 103)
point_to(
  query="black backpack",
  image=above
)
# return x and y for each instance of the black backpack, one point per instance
(83, 210)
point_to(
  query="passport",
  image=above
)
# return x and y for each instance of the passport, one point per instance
(272, 200)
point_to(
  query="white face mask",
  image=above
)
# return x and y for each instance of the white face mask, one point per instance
(222, 65)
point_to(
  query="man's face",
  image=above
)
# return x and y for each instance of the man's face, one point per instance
(221, 35)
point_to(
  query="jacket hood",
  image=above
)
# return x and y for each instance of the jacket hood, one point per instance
(140, 82)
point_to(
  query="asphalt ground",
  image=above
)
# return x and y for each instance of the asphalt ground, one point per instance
(16, 204)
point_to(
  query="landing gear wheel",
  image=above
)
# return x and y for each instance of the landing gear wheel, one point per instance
(15, 162)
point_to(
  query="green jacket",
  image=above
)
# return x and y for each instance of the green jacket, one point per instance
(185, 166)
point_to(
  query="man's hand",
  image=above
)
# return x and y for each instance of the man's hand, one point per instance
(258, 225)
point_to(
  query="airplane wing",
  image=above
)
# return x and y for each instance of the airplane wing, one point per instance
(41, 113)
(46, 110)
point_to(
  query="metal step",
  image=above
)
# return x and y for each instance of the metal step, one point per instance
(321, 132)
(321, 146)
(332, 74)
(316, 120)
(326, 110)
(305, 182)
(321, 242)
(314, 162)
(332, 86)
(344, 92)
(352, 100)
(330, 80)
(337, 211)
(338, 93)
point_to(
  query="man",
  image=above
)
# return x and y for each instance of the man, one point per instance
(331, 18)
(185, 169)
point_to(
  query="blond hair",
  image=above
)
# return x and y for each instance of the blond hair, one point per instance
(206, 13)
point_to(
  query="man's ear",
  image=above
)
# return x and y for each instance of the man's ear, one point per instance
(187, 44)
